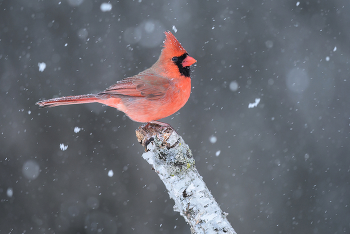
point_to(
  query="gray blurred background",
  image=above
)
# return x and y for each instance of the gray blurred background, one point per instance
(281, 166)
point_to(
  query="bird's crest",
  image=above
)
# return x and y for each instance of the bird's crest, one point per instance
(172, 46)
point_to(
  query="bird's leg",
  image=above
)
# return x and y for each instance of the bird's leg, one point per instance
(157, 124)
(160, 123)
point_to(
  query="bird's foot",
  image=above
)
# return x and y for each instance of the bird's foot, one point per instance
(147, 132)
(161, 124)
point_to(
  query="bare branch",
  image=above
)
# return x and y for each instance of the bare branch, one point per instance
(173, 161)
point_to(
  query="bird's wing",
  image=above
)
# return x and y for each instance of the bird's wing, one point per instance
(145, 84)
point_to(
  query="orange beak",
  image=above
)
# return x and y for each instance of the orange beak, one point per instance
(188, 61)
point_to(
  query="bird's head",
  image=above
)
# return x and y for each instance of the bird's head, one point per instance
(174, 59)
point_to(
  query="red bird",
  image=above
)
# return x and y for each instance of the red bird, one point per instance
(153, 94)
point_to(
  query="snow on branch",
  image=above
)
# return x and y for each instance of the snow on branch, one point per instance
(173, 161)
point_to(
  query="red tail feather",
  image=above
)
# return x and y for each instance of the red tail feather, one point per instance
(88, 98)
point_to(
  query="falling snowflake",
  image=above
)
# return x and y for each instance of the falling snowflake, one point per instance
(42, 66)
(255, 104)
(63, 147)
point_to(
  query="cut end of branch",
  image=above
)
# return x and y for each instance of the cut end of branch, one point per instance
(147, 132)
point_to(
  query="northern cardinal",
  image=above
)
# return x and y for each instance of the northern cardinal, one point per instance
(153, 94)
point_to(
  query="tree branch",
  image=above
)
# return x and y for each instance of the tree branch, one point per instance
(173, 161)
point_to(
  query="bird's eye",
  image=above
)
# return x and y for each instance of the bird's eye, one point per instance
(175, 59)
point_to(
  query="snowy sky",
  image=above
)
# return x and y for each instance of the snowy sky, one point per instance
(267, 120)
